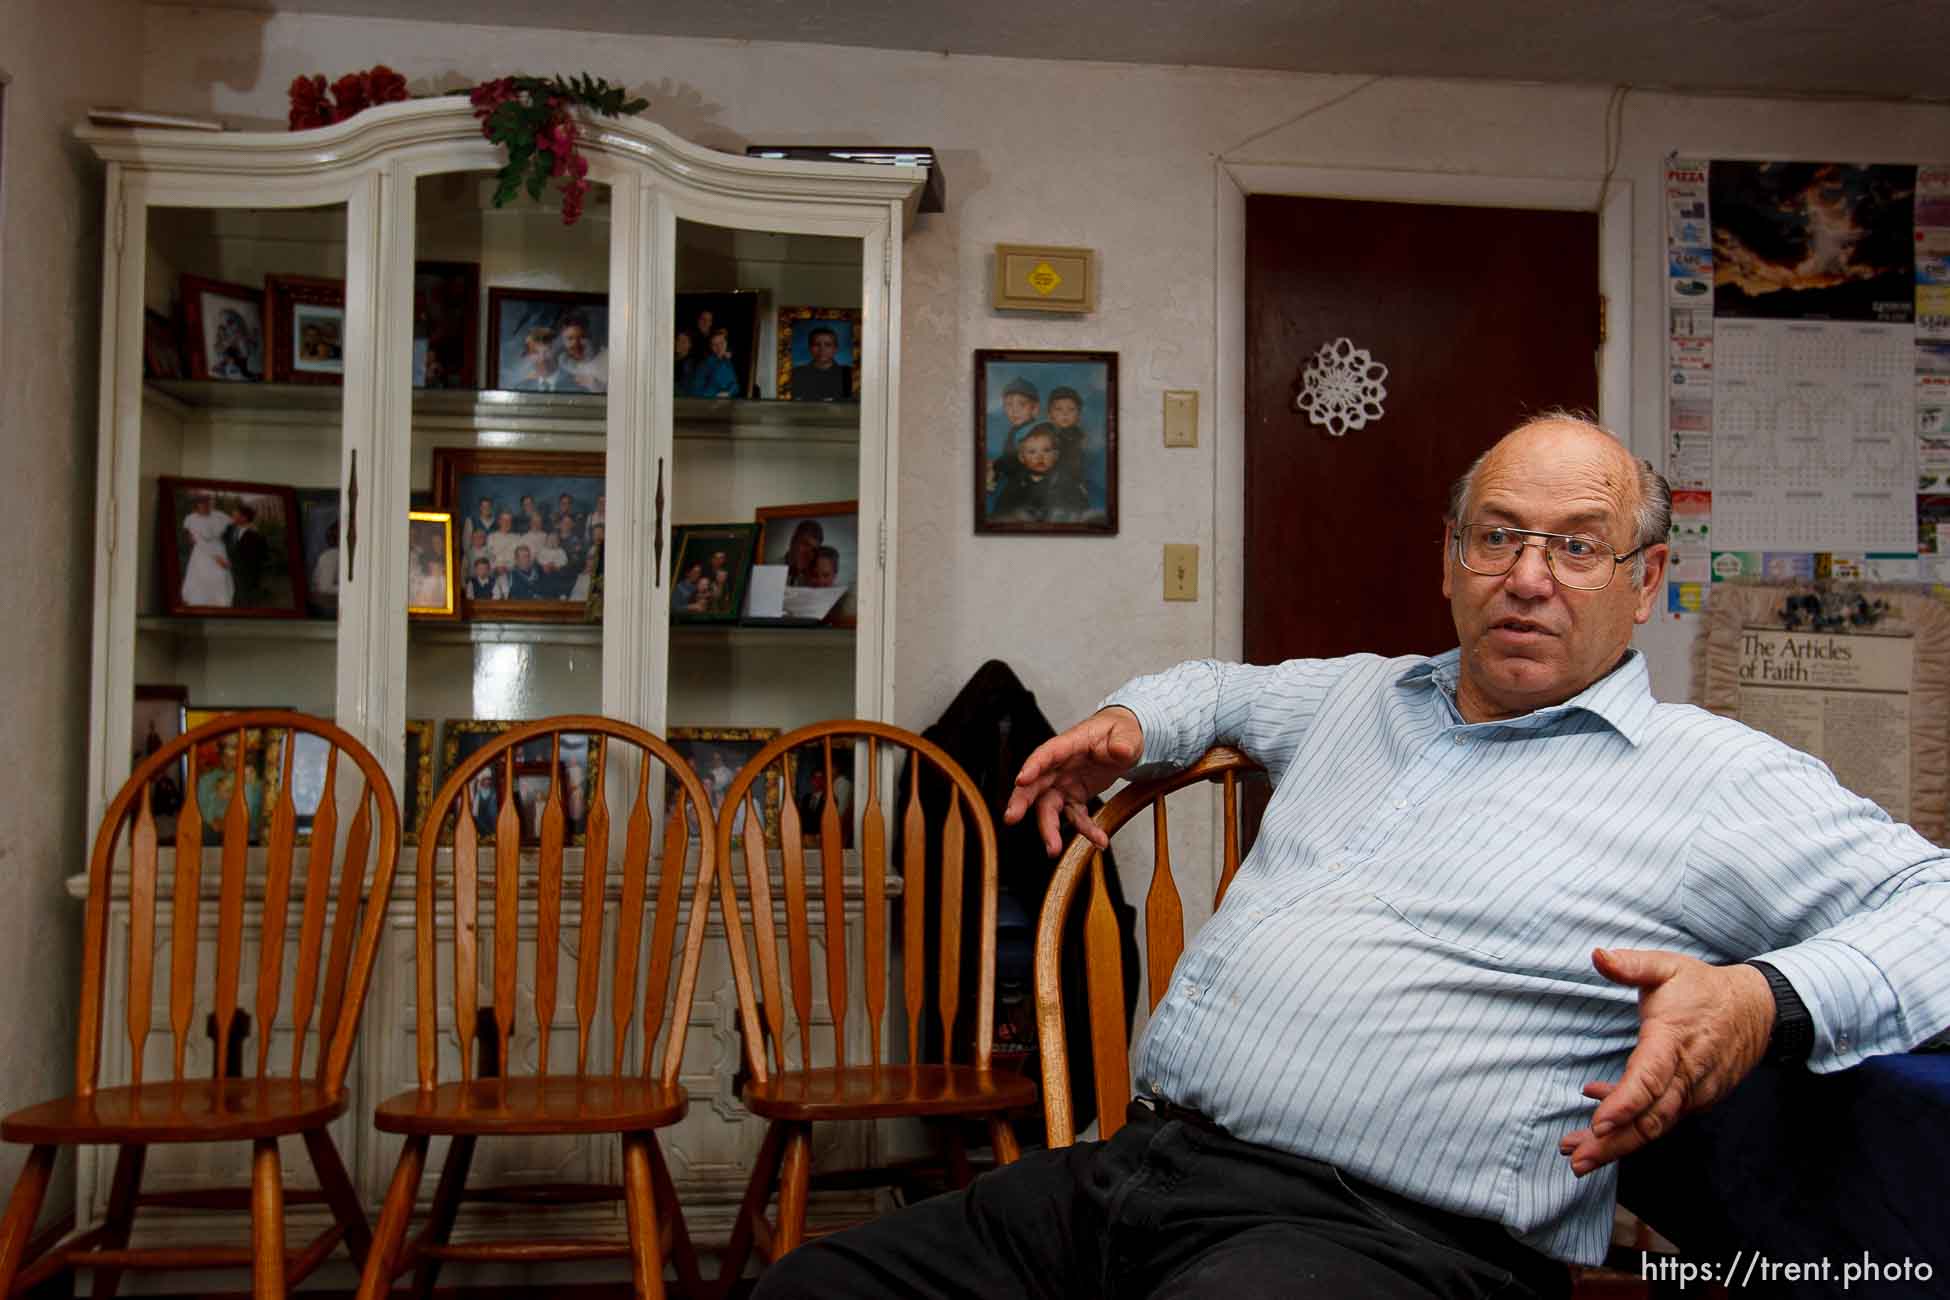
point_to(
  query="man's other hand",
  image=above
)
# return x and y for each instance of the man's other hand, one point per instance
(1701, 1029)
(1068, 770)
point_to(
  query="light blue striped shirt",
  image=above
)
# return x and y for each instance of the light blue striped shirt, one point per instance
(1400, 981)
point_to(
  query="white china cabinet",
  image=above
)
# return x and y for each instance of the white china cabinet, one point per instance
(402, 351)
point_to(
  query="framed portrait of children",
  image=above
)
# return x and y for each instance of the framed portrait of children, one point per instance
(819, 354)
(819, 545)
(304, 329)
(711, 564)
(530, 530)
(717, 754)
(229, 549)
(545, 341)
(430, 589)
(1045, 442)
(160, 716)
(446, 324)
(717, 343)
(225, 324)
(318, 523)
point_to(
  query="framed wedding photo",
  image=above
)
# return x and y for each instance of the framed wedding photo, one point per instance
(225, 325)
(430, 587)
(544, 341)
(161, 714)
(530, 530)
(229, 549)
(304, 329)
(1045, 442)
(717, 754)
(819, 354)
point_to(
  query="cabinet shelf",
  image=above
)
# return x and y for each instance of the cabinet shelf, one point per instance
(588, 634)
(471, 409)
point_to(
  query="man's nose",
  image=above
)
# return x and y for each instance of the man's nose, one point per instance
(1531, 574)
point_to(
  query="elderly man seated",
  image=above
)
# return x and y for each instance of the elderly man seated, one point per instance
(1491, 888)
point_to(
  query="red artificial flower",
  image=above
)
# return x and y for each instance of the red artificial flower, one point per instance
(350, 92)
(384, 86)
(309, 105)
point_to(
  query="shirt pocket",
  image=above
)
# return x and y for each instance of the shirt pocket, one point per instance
(1462, 921)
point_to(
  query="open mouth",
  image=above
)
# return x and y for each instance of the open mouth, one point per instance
(1520, 627)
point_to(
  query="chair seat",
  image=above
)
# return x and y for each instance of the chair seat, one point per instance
(866, 1092)
(189, 1110)
(552, 1104)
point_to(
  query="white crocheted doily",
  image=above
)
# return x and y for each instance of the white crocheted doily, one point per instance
(1342, 387)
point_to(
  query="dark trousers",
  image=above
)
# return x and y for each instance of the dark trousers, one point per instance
(1169, 1207)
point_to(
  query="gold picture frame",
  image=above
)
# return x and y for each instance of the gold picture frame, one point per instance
(717, 754)
(1045, 278)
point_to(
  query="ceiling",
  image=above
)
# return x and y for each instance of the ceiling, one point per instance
(1889, 49)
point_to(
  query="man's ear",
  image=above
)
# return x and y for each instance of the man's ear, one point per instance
(1655, 576)
(1448, 558)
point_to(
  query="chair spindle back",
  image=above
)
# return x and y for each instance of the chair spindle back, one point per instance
(742, 837)
(1082, 868)
(564, 805)
(336, 949)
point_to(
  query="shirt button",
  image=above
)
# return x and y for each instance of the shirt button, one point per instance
(1400, 804)
(1335, 866)
(1457, 737)
(1841, 1041)
(1255, 915)
(1191, 992)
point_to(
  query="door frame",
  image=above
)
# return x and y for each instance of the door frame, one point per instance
(1234, 181)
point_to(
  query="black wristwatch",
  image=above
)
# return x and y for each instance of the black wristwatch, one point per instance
(1794, 1029)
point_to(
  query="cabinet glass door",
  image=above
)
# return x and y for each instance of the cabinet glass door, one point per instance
(766, 544)
(245, 345)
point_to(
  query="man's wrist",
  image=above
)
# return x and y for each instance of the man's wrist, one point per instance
(1793, 1036)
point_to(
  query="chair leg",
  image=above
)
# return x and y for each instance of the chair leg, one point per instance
(683, 1255)
(639, 1199)
(1003, 1138)
(121, 1212)
(795, 1184)
(446, 1208)
(758, 1194)
(267, 1220)
(390, 1234)
(340, 1194)
(23, 1208)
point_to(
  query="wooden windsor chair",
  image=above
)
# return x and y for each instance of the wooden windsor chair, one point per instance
(1082, 869)
(596, 1097)
(795, 1097)
(333, 966)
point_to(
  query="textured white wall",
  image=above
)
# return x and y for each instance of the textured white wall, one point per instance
(60, 59)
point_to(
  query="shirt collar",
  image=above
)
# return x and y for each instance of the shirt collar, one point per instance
(1622, 698)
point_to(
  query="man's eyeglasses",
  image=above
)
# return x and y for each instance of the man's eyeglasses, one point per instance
(1574, 559)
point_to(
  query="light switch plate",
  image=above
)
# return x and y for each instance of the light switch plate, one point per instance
(1181, 417)
(1181, 572)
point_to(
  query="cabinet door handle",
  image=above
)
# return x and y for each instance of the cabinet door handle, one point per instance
(352, 517)
(657, 543)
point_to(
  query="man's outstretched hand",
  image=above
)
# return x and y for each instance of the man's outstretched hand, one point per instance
(1068, 770)
(1701, 1029)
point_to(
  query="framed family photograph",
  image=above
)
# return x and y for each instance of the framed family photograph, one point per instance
(717, 343)
(809, 789)
(534, 763)
(711, 564)
(545, 341)
(230, 549)
(430, 591)
(530, 530)
(819, 545)
(225, 324)
(1045, 442)
(304, 329)
(318, 523)
(819, 354)
(717, 754)
(446, 324)
(160, 716)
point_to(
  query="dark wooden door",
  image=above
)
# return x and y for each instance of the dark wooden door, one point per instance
(1482, 315)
